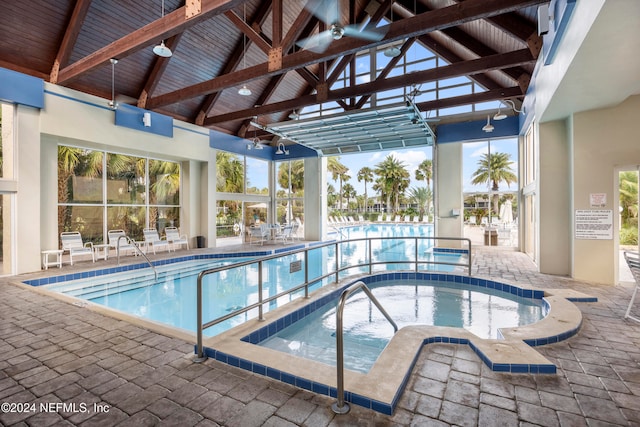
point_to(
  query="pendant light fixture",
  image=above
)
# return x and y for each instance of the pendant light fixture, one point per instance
(244, 90)
(488, 127)
(162, 50)
(392, 51)
(499, 115)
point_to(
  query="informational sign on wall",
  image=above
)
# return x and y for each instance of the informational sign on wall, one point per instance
(598, 200)
(594, 224)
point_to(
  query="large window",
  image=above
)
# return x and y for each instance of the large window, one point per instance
(133, 194)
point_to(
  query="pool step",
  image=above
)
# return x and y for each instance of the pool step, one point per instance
(100, 286)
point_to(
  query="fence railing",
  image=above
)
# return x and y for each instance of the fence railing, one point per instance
(369, 262)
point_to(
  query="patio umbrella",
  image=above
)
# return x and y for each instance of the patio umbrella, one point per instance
(258, 206)
(506, 212)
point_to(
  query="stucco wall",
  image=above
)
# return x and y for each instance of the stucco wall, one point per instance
(555, 199)
(603, 141)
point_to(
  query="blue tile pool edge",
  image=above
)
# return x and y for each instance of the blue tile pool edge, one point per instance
(101, 272)
(388, 407)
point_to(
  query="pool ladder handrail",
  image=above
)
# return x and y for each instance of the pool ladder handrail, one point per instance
(340, 406)
(131, 242)
(335, 272)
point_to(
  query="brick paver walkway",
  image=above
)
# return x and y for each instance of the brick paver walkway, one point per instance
(92, 370)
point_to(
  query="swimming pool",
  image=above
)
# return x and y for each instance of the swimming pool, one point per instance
(171, 299)
(381, 386)
(481, 311)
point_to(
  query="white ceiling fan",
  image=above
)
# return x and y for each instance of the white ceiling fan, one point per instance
(328, 11)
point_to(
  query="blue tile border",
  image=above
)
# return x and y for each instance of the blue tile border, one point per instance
(130, 267)
(388, 407)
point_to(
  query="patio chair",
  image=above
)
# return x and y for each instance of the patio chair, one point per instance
(633, 261)
(173, 236)
(285, 234)
(125, 244)
(259, 234)
(72, 242)
(152, 239)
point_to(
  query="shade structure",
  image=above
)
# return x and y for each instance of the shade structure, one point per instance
(506, 212)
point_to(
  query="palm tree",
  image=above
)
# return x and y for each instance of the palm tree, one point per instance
(365, 174)
(349, 192)
(494, 169)
(425, 171)
(628, 193)
(229, 173)
(292, 173)
(396, 177)
(338, 172)
(421, 196)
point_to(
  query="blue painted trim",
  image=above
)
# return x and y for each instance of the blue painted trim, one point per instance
(21, 89)
(562, 11)
(237, 145)
(130, 117)
(472, 131)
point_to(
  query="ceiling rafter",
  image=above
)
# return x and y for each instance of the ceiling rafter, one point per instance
(159, 67)
(232, 62)
(70, 37)
(465, 68)
(160, 29)
(415, 26)
(456, 101)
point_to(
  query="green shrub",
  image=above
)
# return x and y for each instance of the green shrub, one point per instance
(629, 236)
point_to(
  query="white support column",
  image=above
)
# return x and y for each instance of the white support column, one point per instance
(315, 198)
(449, 191)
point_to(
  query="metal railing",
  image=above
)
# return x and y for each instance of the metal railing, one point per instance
(132, 243)
(340, 406)
(314, 280)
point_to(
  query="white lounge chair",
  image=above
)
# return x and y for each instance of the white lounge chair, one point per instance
(125, 244)
(152, 239)
(173, 236)
(285, 234)
(72, 242)
(259, 234)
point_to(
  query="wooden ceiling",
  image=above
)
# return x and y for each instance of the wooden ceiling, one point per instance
(220, 45)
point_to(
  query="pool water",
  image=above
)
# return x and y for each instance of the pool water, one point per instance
(481, 311)
(172, 299)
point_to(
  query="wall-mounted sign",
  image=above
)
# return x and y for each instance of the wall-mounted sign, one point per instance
(598, 200)
(295, 266)
(594, 224)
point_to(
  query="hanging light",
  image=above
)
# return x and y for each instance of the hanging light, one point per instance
(488, 127)
(162, 50)
(244, 90)
(391, 51)
(499, 115)
(281, 149)
(513, 106)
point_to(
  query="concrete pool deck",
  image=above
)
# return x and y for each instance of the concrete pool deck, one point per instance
(53, 352)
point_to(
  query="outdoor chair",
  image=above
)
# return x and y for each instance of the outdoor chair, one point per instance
(633, 261)
(173, 236)
(72, 242)
(285, 234)
(259, 234)
(152, 239)
(125, 245)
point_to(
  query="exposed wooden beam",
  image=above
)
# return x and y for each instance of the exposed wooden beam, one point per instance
(456, 101)
(475, 66)
(430, 21)
(248, 30)
(160, 29)
(70, 36)
(158, 70)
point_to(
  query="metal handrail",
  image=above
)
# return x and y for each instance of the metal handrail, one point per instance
(340, 406)
(307, 281)
(133, 243)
